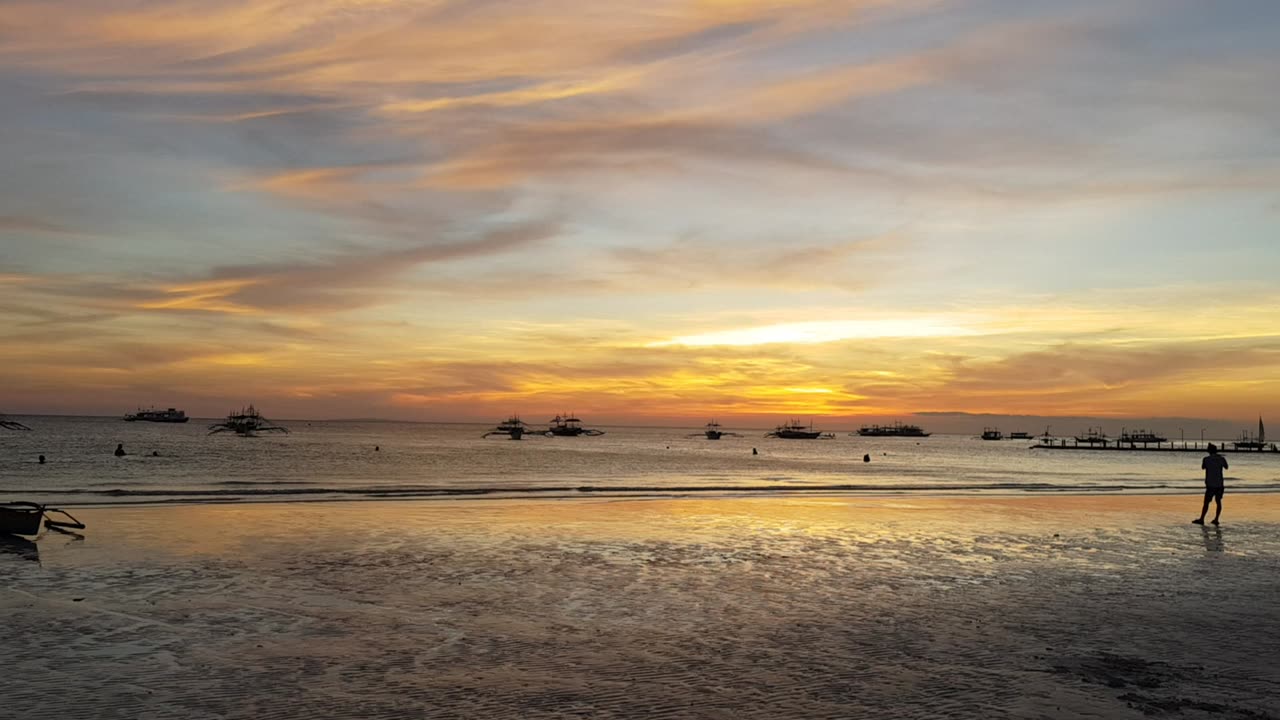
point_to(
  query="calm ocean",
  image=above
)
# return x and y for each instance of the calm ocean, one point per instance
(337, 459)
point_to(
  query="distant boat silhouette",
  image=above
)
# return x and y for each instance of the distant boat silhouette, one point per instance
(795, 430)
(895, 430)
(991, 433)
(172, 415)
(712, 431)
(513, 427)
(569, 426)
(8, 424)
(1141, 436)
(246, 423)
(1257, 442)
(1019, 435)
(1094, 436)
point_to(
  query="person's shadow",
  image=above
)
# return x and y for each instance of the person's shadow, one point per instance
(1212, 539)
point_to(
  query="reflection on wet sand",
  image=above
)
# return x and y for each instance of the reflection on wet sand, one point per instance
(19, 546)
(747, 608)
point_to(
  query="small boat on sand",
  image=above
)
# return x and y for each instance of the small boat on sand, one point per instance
(23, 518)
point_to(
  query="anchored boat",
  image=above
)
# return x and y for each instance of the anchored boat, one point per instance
(171, 415)
(713, 432)
(795, 430)
(569, 426)
(246, 423)
(895, 430)
(1257, 442)
(1094, 436)
(1141, 436)
(991, 433)
(513, 427)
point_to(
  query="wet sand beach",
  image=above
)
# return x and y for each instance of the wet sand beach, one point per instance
(764, 607)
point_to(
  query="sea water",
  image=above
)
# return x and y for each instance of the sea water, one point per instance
(354, 460)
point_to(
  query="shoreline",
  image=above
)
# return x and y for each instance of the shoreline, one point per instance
(172, 498)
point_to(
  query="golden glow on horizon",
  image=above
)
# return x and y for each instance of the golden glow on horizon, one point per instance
(823, 331)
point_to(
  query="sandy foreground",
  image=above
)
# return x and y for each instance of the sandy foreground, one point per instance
(779, 607)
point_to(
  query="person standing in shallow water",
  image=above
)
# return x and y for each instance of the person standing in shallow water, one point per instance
(1213, 465)
(120, 450)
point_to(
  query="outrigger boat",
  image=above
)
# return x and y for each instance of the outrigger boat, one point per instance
(569, 426)
(8, 424)
(513, 427)
(713, 432)
(1094, 436)
(795, 430)
(23, 518)
(246, 423)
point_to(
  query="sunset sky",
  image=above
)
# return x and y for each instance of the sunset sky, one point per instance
(648, 211)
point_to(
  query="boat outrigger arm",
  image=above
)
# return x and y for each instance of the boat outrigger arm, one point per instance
(23, 518)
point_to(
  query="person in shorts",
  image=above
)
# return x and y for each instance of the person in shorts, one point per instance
(1213, 465)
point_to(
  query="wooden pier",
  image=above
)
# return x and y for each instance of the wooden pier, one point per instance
(1180, 446)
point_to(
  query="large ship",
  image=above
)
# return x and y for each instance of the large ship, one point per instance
(171, 415)
(895, 430)
(795, 430)
(1141, 436)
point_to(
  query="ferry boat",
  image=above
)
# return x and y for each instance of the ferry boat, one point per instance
(991, 433)
(895, 430)
(171, 415)
(568, 426)
(1094, 436)
(795, 430)
(1141, 436)
(513, 427)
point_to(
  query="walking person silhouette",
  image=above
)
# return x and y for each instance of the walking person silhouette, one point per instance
(1213, 465)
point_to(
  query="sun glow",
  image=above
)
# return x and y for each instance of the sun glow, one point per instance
(824, 331)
